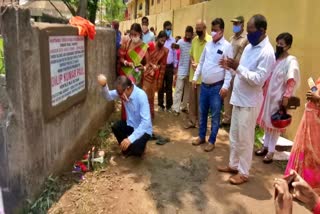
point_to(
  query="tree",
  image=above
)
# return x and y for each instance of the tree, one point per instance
(115, 9)
(84, 8)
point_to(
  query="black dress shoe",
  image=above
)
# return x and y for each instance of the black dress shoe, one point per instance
(262, 151)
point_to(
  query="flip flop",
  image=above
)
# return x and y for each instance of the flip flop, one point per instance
(162, 140)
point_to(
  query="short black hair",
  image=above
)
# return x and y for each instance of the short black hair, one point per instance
(260, 21)
(166, 24)
(145, 18)
(124, 82)
(189, 29)
(162, 34)
(287, 37)
(218, 21)
(152, 29)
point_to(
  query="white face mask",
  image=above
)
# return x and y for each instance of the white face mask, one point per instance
(136, 39)
(213, 33)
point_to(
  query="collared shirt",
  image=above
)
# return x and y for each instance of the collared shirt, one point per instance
(184, 61)
(148, 37)
(138, 111)
(238, 44)
(196, 50)
(209, 67)
(254, 69)
(172, 56)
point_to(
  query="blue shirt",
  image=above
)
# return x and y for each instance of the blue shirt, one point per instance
(138, 111)
(118, 39)
(148, 37)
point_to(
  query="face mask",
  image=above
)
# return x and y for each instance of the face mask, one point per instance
(199, 33)
(160, 45)
(135, 39)
(144, 28)
(168, 32)
(236, 28)
(123, 96)
(215, 36)
(279, 51)
(188, 39)
(254, 37)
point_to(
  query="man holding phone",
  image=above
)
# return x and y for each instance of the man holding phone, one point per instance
(215, 82)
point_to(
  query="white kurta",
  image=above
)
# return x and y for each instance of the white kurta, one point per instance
(254, 69)
(283, 71)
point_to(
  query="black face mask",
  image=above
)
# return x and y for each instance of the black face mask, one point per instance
(160, 45)
(279, 51)
(199, 33)
(188, 39)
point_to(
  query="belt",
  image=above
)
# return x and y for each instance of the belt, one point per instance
(213, 84)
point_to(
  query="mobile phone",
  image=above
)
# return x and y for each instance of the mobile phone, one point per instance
(312, 85)
(289, 178)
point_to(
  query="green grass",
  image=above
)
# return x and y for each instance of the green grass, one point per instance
(258, 135)
(54, 187)
(2, 70)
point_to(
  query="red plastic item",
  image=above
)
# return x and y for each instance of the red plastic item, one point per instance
(281, 119)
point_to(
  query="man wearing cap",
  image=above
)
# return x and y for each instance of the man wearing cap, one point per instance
(238, 41)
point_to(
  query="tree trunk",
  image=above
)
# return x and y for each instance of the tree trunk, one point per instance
(83, 8)
(92, 8)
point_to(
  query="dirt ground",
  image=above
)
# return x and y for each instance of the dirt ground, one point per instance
(173, 178)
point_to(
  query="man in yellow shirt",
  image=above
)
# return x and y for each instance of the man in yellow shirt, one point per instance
(197, 46)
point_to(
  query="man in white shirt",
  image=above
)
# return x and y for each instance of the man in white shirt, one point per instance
(147, 36)
(251, 74)
(215, 82)
(182, 87)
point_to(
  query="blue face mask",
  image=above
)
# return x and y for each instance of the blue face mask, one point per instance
(254, 37)
(236, 28)
(168, 32)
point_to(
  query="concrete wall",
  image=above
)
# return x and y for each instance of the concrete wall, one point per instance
(36, 148)
(298, 20)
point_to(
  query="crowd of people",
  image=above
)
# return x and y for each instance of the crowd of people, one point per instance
(245, 76)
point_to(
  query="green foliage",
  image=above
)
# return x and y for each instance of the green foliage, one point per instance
(91, 10)
(2, 70)
(258, 136)
(49, 195)
(115, 9)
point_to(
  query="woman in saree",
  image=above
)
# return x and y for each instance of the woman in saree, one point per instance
(305, 153)
(132, 57)
(280, 86)
(155, 68)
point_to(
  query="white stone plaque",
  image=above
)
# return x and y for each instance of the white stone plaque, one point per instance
(67, 67)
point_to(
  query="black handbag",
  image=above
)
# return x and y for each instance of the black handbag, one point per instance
(293, 102)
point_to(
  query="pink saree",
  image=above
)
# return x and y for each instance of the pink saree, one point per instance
(305, 153)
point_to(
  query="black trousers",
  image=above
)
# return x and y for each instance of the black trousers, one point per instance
(121, 130)
(166, 88)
